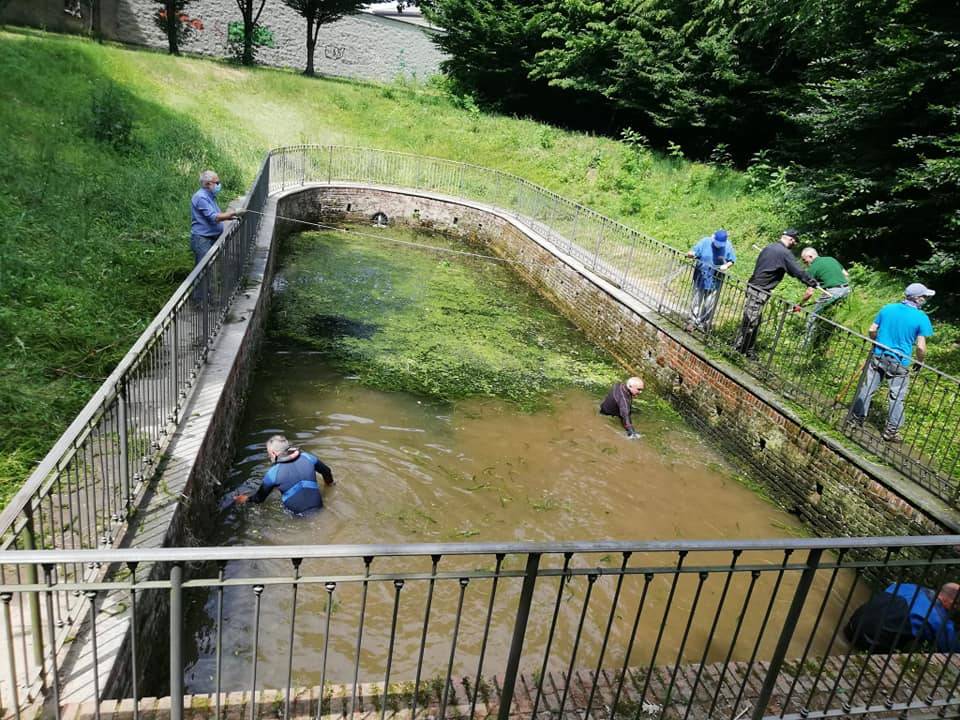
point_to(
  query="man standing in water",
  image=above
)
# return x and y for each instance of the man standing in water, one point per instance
(618, 402)
(294, 472)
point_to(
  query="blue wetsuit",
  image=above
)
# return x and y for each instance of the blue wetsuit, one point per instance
(295, 475)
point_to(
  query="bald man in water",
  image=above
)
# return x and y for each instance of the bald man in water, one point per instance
(618, 402)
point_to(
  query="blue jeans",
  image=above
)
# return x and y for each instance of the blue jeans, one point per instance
(898, 381)
(200, 245)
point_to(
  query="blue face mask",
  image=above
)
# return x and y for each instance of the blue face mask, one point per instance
(217, 188)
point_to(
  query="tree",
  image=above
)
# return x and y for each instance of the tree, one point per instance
(250, 20)
(319, 13)
(173, 20)
(490, 46)
(879, 131)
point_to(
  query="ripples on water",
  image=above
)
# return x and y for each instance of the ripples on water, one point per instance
(409, 470)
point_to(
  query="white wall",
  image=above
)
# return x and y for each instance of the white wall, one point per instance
(361, 46)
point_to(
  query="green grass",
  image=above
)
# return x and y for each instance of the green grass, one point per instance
(96, 232)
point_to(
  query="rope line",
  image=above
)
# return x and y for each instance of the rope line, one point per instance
(422, 246)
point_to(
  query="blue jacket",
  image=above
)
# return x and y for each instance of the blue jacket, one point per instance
(927, 624)
(295, 476)
(709, 257)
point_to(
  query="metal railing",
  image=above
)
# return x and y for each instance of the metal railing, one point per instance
(83, 492)
(606, 629)
(820, 374)
(81, 495)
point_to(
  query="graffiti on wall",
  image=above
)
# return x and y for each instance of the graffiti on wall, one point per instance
(340, 53)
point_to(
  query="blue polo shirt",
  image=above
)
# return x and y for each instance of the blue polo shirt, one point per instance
(709, 257)
(898, 327)
(203, 214)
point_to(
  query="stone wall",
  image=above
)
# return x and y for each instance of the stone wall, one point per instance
(835, 492)
(362, 46)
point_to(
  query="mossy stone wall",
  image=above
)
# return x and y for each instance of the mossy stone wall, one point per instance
(836, 493)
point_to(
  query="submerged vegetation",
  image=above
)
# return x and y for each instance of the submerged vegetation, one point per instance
(423, 321)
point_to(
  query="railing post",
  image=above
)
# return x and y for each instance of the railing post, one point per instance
(176, 641)
(573, 235)
(123, 440)
(776, 337)
(175, 368)
(596, 247)
(11, 654)
(519, 633)
(330, 165)
(33, 600)
(786, 635)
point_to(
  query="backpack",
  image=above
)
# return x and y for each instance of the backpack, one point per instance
(881, 625)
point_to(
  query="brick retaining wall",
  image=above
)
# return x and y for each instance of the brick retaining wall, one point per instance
(833, 490)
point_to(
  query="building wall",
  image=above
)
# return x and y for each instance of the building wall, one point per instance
(361, 46)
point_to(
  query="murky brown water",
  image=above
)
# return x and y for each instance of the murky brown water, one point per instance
(412, 471)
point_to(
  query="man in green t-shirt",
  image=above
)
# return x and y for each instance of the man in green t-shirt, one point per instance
(833, 285)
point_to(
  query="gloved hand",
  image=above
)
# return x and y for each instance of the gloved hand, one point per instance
(240, 499)
(238, 214)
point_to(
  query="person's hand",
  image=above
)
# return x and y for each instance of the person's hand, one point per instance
(238, 214)
(632, 434)
(240, 499)
(797, 308)
(915, 368)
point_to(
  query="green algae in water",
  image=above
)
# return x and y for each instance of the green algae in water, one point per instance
(439, 325)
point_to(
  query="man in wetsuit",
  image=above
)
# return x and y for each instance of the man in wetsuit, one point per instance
(294, 472)
(618, 403)
(773, 262)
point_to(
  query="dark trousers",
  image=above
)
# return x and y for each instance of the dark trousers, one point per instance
(750, 324)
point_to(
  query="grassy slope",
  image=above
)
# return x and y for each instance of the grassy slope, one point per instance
(95, 239)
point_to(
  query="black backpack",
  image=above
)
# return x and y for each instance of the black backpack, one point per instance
(881, 625)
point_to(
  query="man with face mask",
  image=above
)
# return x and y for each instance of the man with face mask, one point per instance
(206, 218)
(895, 330)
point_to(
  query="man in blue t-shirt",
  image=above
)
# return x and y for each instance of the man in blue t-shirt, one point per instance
(714, 255)
(294, 473)
(894, 331)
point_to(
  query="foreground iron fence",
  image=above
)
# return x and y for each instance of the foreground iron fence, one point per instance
(601, 629)
(77, 503)
(82, 493)
(820, 371)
